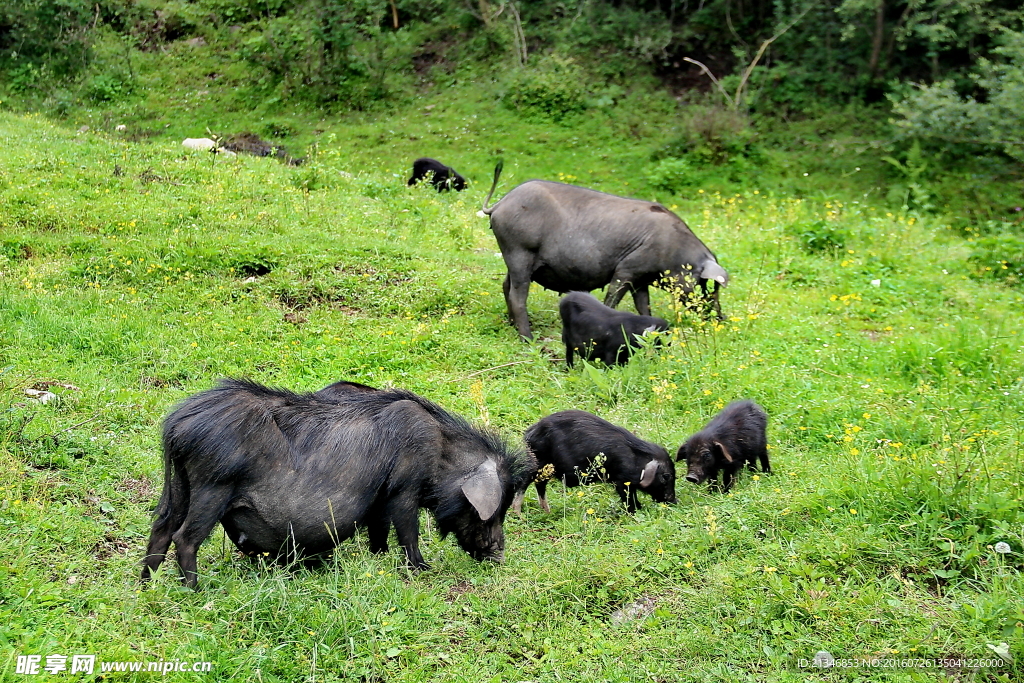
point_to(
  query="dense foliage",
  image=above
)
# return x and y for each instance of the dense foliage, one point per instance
(348, 52)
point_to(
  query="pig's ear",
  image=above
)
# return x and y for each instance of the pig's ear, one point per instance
(725, 453)
(647, 476)
(483, 489)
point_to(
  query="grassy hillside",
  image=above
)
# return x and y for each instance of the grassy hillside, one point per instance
(888, 359)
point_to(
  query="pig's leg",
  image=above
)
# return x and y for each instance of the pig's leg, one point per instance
(617, 289)
(763, 457)
(542, 487)
(377, 530)
(517, 289)
(642, 300)
(207, 506)
(171, 514)
(726, 480)
(517, 502)
(404, 514)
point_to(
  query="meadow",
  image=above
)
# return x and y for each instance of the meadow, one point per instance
(884, 345)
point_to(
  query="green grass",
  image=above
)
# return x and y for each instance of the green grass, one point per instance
(138, 275)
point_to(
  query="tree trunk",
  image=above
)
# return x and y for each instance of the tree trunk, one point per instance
(876, 40)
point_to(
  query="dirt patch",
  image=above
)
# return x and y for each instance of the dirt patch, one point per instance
(110, 546)
(457, 590)
(373, 274)
(298, 301)
(150, 381)
(139, 489)
(142, 134)
(250, 143)
(150, 176)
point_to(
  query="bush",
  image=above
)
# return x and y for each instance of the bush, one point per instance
(712, 135)
(820, 236)
(551, 90)
(938, 112)
(1000, 257)
(673, 174)
(108, 87)
(57, 34)
(329, 51)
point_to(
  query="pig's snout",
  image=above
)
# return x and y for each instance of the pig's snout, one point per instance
(693, 478)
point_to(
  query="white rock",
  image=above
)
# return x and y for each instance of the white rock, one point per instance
(876, 283)
(823, 659)
(41, 396)
(199, 144)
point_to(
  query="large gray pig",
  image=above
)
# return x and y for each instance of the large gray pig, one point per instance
(569, 238)
(292, 475)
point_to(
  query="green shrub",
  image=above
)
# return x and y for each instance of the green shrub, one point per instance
(712, 135)
(820, 236)
(330, 52)
(108, 86)
(551, 90)
(673, 174)
(938, 112)
(16, 249)
(54, 33)
(1000, 257)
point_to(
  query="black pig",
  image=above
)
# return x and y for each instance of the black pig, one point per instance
(735, 436)
(441, 177)
(597, 332)
(571, 443)
(292, 475)
(333, 392)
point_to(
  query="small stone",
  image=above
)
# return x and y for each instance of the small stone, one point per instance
(823, 659)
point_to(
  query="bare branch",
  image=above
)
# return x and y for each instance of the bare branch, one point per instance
(718, 83)
(764, 46)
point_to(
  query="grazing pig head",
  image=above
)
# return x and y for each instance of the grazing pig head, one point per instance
(477, 526)
(703, 459)
(659, 480)
(483, 489)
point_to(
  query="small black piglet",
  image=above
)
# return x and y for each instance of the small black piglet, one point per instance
(577, 447)
(735, 436)
(441, 176)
